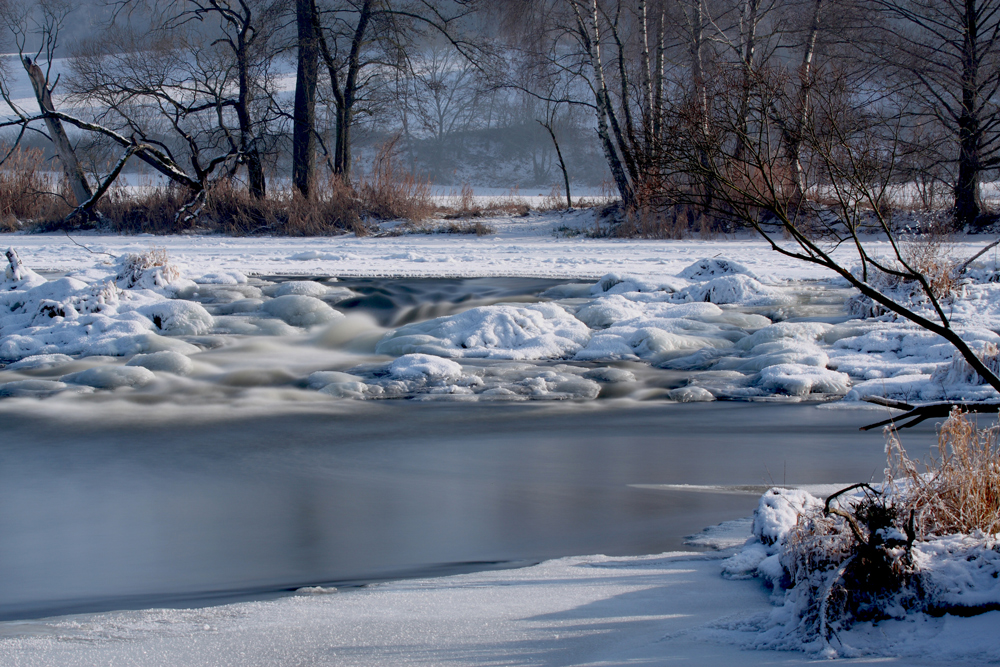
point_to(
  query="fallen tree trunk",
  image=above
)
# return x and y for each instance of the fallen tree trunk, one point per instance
(919, 414)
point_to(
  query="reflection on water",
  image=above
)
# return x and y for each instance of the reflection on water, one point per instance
(160, 506)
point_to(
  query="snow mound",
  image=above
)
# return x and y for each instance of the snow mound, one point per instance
(737, 289)
(412, 366)
(956, 574)
(17, 276)
(776, 515)
(801, 380)
(111, 377)
(614, 283)
(537, 331)
(31, 388)
(222, 278)
(714, 267)
(300, 310)
(167, 361)
(40, 362)
(150, 270)
(179, 318)
(691, 394)
(300, 287)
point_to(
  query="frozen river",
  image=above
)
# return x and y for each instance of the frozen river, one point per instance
(238, 481)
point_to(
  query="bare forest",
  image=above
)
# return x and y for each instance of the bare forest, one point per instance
(308, 116)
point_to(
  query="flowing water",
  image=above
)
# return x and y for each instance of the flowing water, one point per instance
(244, 485)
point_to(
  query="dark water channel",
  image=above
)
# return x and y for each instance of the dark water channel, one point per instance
(191, 510)
(131, 505)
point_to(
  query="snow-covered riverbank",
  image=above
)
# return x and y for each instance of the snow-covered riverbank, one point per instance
(670, 609)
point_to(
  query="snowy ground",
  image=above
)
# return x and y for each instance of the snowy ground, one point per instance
(654, 610)
(638, 304)
(532, 246)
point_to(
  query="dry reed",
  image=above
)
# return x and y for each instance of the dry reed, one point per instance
(956, 490)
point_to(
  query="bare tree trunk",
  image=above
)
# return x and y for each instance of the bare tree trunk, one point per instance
(590, 38)
(794, 135)
(646, 73)
(748, 47)
(304, 118)
(968, 205)
(248, 143)
(696, 25)
(657, 105)
(562, 163)
(346, 98)
(71, 166)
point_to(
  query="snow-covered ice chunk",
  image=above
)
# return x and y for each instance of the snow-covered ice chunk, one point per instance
(536, 331)
(800, 380)
(320, 379)
(222, 278)
(111, 377)
(609, 374)
(179, 318)
(166, 361)
(736, 289)
(40, 362)
(301, 287)
(614, 283)
(39, 388)
(803, 331)
(690, 394)
(713, 267)
(346, 389)
(411, 366)
(300, 311)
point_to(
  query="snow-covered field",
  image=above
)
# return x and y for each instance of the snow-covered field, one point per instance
(731, 317)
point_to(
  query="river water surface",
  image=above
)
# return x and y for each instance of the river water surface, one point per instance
(148, 499)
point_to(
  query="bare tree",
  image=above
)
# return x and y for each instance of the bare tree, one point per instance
(852, 147)
(363, 41)
(43, 23)
(949, 50)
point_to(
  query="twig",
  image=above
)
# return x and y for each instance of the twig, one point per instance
(93, 252)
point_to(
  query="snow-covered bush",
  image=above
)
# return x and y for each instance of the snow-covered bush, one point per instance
(925, 541)
(148, 270)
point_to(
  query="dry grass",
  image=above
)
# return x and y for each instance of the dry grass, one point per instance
(391, 193)
(956, 489)
(227, 207)
(26, 191)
